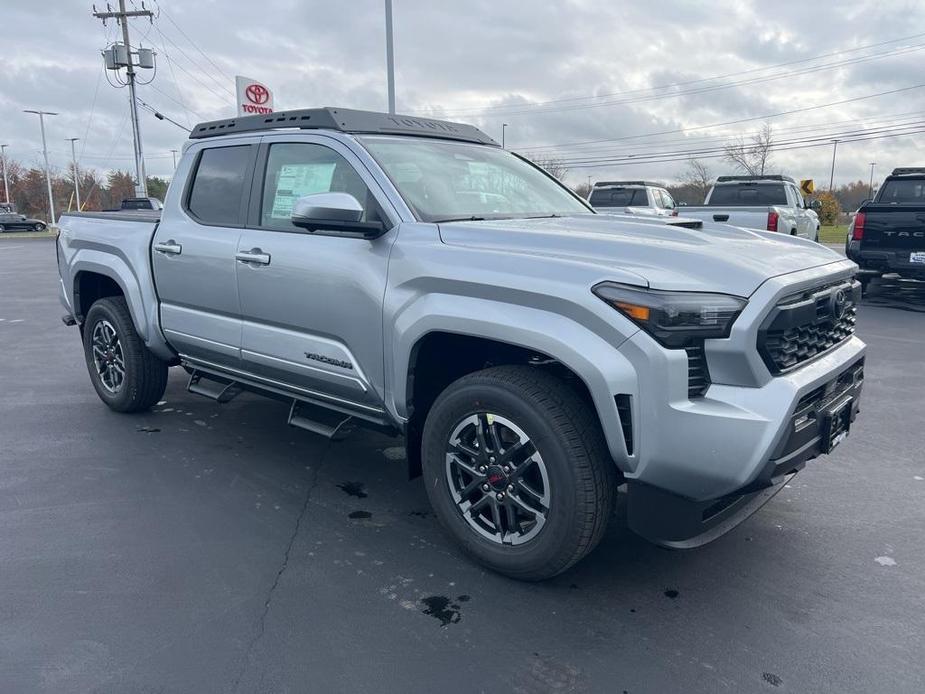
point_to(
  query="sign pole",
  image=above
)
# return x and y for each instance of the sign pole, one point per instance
(390, 55)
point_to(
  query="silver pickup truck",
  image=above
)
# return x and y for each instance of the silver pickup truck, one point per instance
(411, 275)
(770, 202)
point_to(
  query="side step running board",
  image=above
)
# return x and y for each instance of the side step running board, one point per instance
(319, 420)
(212, 387)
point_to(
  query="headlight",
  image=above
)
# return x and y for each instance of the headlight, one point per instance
(675, 319)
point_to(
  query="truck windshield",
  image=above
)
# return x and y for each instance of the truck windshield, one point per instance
(748, 195)
(446, 181)
(899, 191)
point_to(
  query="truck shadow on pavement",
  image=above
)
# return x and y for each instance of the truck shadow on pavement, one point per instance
(895, 292)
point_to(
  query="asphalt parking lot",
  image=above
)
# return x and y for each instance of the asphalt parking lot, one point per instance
(211, 548)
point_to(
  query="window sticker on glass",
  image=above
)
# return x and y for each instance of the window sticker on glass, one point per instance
(296, 180)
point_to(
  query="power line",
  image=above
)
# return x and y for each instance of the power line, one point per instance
(695, 153)
(702, 90)
(721, 155)
(751, 119)
(704, 139)
(192, 43)
(491, 110)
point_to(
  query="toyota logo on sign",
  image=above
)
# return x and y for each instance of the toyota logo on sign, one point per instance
(257, 93)
(253, 97)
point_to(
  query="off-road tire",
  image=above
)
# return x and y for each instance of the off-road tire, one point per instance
(145, 377)
(565, 430)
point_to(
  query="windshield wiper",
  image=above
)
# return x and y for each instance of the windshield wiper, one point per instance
(459, 219)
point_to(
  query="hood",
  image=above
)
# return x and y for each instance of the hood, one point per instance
(716, 258)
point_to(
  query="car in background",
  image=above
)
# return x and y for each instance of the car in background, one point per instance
(769, 202)
(632, 197)
(887, 234)
(11, 221)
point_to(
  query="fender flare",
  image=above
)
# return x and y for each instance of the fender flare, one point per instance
(594, 358)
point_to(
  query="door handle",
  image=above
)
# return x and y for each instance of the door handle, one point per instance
(254, 256)
(169, 248)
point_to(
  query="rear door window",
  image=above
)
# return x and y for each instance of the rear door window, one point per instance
(218, 189)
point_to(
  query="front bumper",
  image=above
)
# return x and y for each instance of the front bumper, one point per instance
(819, 419)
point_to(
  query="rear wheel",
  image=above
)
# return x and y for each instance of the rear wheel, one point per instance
(125, 374)
(517, 471)
(39, 227)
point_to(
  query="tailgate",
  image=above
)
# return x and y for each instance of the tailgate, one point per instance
(894, 228)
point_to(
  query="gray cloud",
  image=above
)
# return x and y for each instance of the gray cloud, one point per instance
(461, 57)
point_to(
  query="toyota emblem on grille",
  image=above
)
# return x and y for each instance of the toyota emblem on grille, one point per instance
(840, 303)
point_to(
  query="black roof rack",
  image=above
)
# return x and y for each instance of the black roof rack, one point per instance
(908, 170)
(602, 184)
(768, 177)
(346, 120)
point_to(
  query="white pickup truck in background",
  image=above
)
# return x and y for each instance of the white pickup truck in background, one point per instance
(638, 198)
(772, 203)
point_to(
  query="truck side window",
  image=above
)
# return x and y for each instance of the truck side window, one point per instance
(215, 197)
(297, 169)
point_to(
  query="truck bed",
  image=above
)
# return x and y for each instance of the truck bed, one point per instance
(117, 244)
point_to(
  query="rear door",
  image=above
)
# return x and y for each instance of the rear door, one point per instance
(194, 253)
(311, 303)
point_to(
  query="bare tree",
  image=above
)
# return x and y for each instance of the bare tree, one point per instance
(752, 156)
(553, 166)
(698, 178)
(582, 190)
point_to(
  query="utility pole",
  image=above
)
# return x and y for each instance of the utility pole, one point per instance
(390, 55)
(51, 199)
(173, 152)
(122, 17)
(870, 186)
(503, 127)
(72, 140)
(6, 180)
(832, 174)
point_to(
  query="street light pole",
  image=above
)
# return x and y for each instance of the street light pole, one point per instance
(390, 55)
(6, 180)
(173, 152)
(51, 199)
(72, 140)
(832, 175)
(870, 186)
(503, 126)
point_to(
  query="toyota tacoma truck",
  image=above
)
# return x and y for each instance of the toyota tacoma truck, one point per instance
(770, 202)
(412, 276)
(887, 234)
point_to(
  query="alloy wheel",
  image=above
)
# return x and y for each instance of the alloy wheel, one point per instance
(497, 478)
(108, 357)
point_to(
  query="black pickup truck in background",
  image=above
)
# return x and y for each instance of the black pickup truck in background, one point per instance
(887, 234)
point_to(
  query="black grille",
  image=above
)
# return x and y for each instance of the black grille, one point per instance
(698, 376)
(806, 325)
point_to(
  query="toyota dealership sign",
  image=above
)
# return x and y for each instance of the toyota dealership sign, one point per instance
(253, 97)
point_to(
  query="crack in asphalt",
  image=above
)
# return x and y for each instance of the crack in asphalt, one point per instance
(261, 624)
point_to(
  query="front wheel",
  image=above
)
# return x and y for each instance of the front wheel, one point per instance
(125, 374)
(517, 470)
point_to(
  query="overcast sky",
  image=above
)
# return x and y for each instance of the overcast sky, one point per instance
(492, 62)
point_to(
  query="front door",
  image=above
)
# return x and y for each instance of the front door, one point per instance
(311, 303)
(194, 255)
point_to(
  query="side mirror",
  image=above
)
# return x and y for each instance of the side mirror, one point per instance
(338, 213)
(816, 205)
